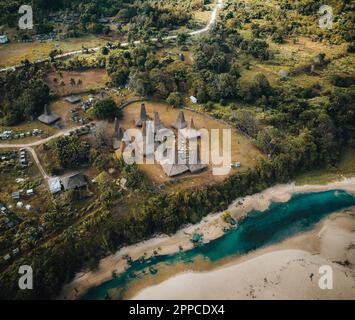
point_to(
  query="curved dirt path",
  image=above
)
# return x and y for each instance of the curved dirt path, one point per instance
(29, 147)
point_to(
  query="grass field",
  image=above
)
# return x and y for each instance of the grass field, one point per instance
(289, 55)
(13, 53)
(344, 169)
(242, 149)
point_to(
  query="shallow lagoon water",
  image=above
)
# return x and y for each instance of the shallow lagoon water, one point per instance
(259, 229)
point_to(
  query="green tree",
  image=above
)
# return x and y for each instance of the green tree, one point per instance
(70, 152)
(175, 99)
(106, 109)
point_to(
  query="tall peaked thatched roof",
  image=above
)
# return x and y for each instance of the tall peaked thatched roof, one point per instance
(196, 165)
(144, 129)
(48, 117)
(142, 116)
(180, 122)
(119, 133)
(190, 132)
(163, 133)
(158, 125)
(116, 125)
(147, 138)
(117, 136)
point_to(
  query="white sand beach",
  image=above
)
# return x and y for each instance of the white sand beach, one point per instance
(278, 274)
(211, 227)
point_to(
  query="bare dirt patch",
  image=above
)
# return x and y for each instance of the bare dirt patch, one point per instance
(94, 79)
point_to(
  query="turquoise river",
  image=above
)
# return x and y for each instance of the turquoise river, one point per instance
(259, 229)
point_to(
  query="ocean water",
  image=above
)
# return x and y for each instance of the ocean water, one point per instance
(259, 229)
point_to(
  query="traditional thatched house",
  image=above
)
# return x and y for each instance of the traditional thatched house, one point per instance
(117, 135)
(180, 122)
(190, 132)
(172, 170)
(75, 181)
(195, 164)
(48, 117)
(142, 116)
(158, 125)
(148, 138)
(163, 134)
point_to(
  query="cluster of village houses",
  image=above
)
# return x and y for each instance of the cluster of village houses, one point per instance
(70, 18)
(16, 196)
(10, 135)
(48, 117)
(56, 18)
(11, 219)
(158, 133)
(149, 127)
(7, 156)
(73, 181)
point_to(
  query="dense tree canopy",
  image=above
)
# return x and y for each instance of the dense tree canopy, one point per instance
(23, 95)
(106, 109)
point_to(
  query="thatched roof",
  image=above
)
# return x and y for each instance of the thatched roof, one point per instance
(172, 170)
(148, 139)
(194, 168)
(116, 125)
(190, 132)
(117, 135)
(74, 182)
(73, 99)
(195, 157)
(158, 125)
(48, 117)
(162, 133)
(142, 116)
(180, 122)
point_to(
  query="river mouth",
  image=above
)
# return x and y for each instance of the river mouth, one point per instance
(258, 230)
